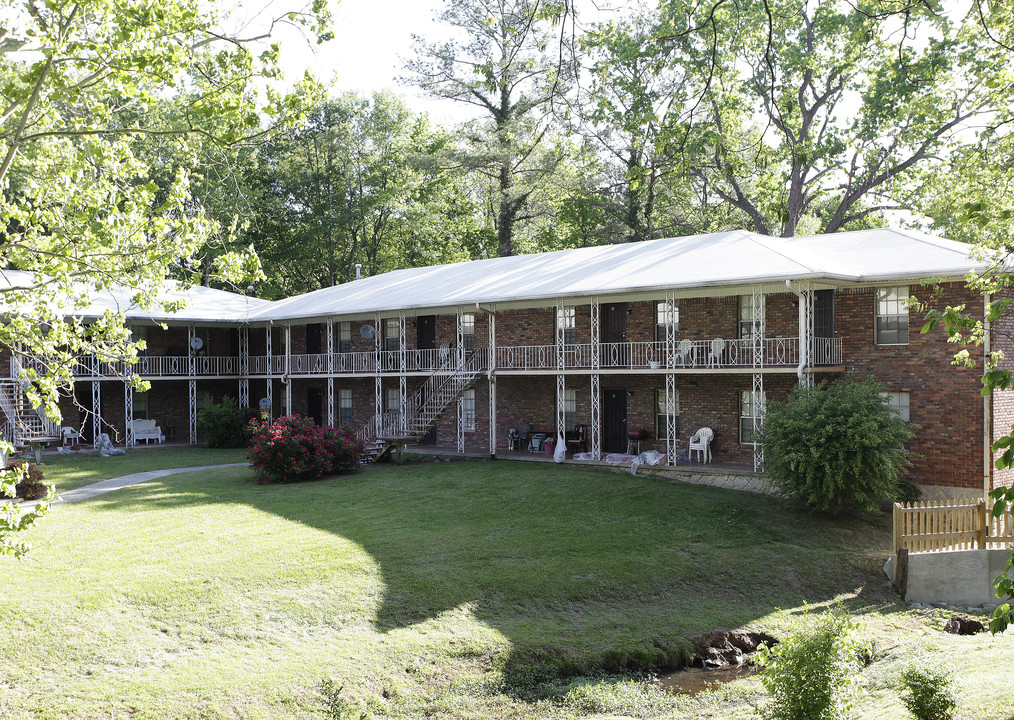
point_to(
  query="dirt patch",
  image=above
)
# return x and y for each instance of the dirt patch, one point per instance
(963, 625)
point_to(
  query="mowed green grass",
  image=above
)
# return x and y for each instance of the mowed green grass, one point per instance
(72, 470)
(444, 590)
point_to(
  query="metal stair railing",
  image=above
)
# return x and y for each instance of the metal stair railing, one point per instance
(23, 424)
(425, 406)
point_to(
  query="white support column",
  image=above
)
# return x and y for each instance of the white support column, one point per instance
(596, 394)
(192, 383)
(244, 367)
(269, 392)
(402, 379)
(671, 316)
(806, 335)
(128, 413)
(193, 410)
(96, 410)
(492, 382)
(460, 355)
(561, 378)
(378, 385)
(287, 330)
(460, 338)
(673, 441)
(757, 397)
(330, 373)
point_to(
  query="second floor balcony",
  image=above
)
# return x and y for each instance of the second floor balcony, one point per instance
(687, 356)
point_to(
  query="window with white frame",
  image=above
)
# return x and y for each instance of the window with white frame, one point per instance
(392, 335)
(751, 407)
(666, 313)
(468, 332)
(468, 411)
(392, 401)
(344, 406)
(749, 316)
(569, 409)
(892, 316)
(662, 416)
(566, 318)
(898, 402)
(345, 337)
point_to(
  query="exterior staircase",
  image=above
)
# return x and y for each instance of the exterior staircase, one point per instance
(422, 409)
(21, 425)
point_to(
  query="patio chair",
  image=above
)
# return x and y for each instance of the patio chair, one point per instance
(701, 442)
(535, 445)
(716, 352)
(70, 436)
(685, 352)
(577, 439)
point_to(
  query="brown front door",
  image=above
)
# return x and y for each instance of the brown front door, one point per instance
(614, 335)
(614, 420)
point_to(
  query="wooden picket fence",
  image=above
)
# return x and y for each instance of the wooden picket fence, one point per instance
(956, 524)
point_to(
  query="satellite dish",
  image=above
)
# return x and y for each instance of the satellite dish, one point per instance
(196, 343)
(265, 403)
(368, 331)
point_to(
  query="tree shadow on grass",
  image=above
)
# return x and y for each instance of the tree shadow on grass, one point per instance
(580, 569)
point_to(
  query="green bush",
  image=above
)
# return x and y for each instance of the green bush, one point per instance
(836, 444)
(32, 485)
(811, 675)
(908, 492)
(225, 425)
(930, 693)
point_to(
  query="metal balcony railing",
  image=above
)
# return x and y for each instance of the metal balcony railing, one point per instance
(696, 354)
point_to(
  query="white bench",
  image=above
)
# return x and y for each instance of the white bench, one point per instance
(146, 430)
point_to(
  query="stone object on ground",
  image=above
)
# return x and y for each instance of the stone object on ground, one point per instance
(105, 448)
(723, 648)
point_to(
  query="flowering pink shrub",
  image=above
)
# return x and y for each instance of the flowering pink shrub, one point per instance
(294, 448)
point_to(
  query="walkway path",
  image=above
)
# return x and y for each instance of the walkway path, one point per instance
(104, 486)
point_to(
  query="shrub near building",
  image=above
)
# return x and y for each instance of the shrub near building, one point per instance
(833, 445)
(295, 449)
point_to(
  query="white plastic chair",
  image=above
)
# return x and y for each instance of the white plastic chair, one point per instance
(717, 351)
(701, 442)
(70, 436)
(685, 350)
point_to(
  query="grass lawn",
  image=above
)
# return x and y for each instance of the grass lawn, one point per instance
(450, 590)
(71, 471)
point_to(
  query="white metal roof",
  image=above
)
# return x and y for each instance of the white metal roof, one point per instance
(728, 259)
(203, 305)
(719, 260)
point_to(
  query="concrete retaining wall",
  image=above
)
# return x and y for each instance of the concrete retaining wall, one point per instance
(962, 578)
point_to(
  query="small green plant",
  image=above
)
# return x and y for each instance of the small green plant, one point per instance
(225, 425)
(930, 693)
(335, 706)
(811, 675)
(834, 445)
(908, 492)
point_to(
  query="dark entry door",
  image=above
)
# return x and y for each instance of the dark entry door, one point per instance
(614, 335)
(315, 404)
(614, 420)
(426, 339)
(426, 332)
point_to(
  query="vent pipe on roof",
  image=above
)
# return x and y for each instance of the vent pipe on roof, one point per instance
(359, 271)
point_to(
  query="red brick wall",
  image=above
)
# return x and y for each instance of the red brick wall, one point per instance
(946, 405)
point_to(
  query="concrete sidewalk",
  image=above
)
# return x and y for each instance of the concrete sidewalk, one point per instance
(104, 486)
